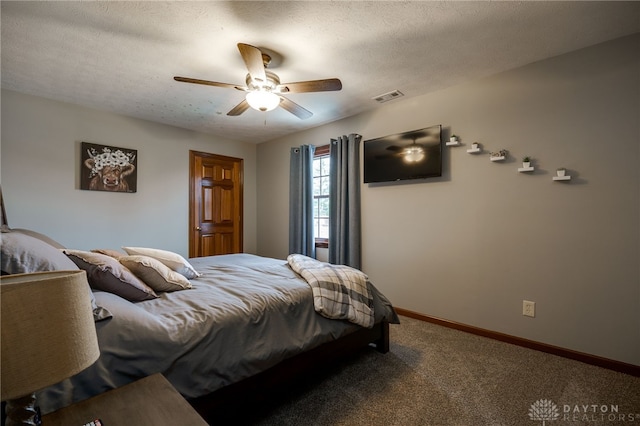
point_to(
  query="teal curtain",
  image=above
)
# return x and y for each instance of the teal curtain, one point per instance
(344, 201)
(301, 238)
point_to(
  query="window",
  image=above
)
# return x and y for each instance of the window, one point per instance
(321, 196)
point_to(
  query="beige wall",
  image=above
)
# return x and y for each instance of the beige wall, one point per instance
(40, 176)
(470, 246)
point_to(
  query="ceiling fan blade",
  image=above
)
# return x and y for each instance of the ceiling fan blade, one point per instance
(252, 57)
(294, 108)
(207, 83)
(326, 85)
(239, 109)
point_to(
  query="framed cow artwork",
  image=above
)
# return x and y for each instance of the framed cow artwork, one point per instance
(108, 168)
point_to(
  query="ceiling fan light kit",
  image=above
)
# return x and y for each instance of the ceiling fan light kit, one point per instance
(413, 154)
(263, 100)
(264, 91)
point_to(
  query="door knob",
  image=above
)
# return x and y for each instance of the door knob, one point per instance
(198, 228)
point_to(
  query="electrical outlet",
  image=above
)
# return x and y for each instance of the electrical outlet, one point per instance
(528, 308)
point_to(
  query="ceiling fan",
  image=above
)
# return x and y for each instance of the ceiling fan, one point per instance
(263, 87)
(412, 153)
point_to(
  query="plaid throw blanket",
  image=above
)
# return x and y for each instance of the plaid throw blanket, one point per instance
(339, 291)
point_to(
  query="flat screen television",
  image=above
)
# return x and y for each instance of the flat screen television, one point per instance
(410, 155)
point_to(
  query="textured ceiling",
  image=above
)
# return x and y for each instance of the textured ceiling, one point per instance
(122, 56)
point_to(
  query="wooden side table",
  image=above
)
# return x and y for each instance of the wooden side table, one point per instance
(149, 401)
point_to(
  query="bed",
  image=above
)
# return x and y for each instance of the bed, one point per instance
(238, 324)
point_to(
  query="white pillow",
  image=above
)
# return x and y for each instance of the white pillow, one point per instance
(154, 273)
(170, 259)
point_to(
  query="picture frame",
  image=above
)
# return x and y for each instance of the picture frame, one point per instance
(108, 168)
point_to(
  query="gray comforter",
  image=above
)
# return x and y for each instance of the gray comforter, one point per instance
(243, 315)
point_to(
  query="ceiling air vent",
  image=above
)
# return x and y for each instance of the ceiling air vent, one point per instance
(386, 97)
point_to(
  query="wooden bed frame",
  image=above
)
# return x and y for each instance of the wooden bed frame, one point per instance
(231, 400)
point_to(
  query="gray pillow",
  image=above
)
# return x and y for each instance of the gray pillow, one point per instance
(107, 274)
(23, 254)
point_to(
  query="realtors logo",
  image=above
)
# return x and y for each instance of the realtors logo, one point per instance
(544, 409)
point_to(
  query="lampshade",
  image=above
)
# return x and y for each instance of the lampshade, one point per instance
(263, 100)
(48, 332)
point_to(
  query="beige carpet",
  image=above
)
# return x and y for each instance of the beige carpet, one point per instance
(438, 376)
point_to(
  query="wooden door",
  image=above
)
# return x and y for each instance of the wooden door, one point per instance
(215, 198)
